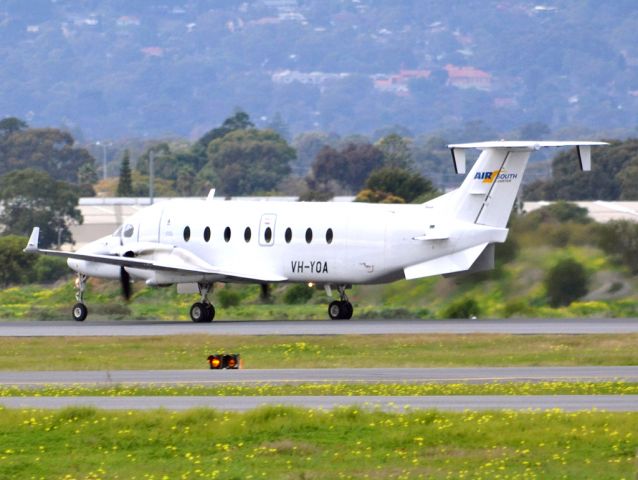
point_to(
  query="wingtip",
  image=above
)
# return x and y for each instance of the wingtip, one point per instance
(32, 244)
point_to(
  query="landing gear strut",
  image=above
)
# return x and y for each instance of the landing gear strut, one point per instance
(341, 309)
(79, 309)
(203, 311)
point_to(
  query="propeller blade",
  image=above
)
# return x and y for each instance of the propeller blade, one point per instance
(125, 282)
(265, 291)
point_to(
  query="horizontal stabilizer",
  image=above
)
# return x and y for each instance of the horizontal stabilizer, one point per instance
(485, 261)
(456, 262)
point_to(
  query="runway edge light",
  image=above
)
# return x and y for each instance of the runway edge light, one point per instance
(229, 361)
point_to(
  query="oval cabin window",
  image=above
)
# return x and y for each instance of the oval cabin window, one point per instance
(309, 235)
(329, 236)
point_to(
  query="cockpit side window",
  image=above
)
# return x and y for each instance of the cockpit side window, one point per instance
(128, 231)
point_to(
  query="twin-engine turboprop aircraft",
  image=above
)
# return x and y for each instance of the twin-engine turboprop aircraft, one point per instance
(195, 243)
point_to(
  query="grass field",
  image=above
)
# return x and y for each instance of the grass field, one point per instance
(350, 389)
(191, 351)
(289, 443)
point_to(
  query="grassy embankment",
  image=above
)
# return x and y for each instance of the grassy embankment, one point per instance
(277, 442)
(513, 290)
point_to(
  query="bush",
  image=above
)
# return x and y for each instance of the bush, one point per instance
(462, 308)
(619, 239)
(565, 282)
(298, 294)
(49, 269)
(228, 298)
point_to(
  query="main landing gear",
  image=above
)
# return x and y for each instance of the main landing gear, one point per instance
(341, 309)
(203, 311)
(79, 309)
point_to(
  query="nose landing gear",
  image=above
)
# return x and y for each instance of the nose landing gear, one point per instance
(203, 311)
(341, 309)
(80, 311)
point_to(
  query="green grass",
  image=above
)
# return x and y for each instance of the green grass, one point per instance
(290, 443)
(318, 389)
(191, 351)
(514, 290)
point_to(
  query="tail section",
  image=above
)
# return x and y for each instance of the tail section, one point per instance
(487, 194)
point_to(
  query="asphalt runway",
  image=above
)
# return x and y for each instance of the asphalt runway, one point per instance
(612, 403)
(330, 327)
(322, 375)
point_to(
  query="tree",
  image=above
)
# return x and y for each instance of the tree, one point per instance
(11, 124)
(399, 183)
(125, 184)
(240, 120)
(31, 198)
(565, 282)
(16, 265)
(350, 167)
(47, 149)
(396, 151)
(249, 161)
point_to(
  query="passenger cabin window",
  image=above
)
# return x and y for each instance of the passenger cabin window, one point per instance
(227, 234)
(187, 234)
(329, 236)
(128, 231)
(268, 235)
(207, 234)
(247, 234)
(288, 235)
(308, 235)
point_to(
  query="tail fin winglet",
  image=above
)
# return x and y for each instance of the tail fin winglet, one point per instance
(34, 239)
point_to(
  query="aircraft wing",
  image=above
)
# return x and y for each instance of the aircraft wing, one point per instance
(177, 265)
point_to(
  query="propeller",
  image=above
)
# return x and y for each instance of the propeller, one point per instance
(265, 292)
(125, 282)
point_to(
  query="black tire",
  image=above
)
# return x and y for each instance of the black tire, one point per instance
(335, 310)
(348, 310)
(210, 312)
(199, 312)
(79, 312)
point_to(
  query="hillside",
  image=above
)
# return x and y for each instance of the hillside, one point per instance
(122, 69)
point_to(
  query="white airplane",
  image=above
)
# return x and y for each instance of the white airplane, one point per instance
(195, 243)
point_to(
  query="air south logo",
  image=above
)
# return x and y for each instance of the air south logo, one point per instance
(497, 175)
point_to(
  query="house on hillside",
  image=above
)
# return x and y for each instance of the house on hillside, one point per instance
(468, 77)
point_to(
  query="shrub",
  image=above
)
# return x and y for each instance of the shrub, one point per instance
(619, 239)
(565, 282)
(463, 308)
(228, 298)
(49, 269)
(298, 294)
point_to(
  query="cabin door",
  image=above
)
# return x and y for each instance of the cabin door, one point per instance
(267, 229)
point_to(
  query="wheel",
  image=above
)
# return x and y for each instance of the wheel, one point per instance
(210, 312)
(335, 310)
(347, 310)
(79, 312)
(199, 312)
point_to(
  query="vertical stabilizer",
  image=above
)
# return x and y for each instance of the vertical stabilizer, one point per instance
(487, 194)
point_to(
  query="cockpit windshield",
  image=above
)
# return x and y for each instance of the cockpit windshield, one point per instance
(118, 232)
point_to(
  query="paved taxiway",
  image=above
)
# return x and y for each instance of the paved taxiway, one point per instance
(295, 327)
(323, 375)
(454, 403)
